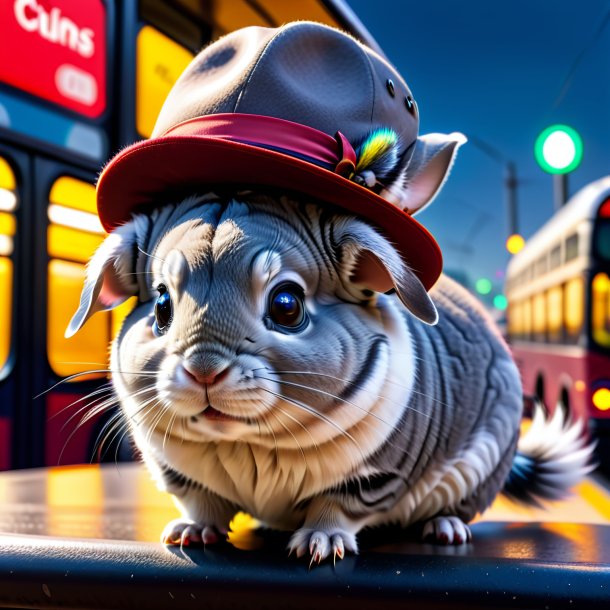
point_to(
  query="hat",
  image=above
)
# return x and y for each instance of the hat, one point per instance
(303, 108)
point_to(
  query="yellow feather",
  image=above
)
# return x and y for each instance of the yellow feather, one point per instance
(374, 147)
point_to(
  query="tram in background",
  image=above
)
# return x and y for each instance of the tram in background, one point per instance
(558, 291)
(85, 78)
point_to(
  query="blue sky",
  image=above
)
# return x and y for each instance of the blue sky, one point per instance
(495, 70)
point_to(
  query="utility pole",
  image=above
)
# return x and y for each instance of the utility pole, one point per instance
(511, 182)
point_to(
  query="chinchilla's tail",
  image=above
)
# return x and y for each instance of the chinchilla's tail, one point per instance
(552, 456)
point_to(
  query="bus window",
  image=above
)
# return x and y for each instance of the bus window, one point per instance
(555, 257)
(89, 348)
(527, 318)
(119, 313)
(8, 204)
(74, 232)
(160, 61)
(515, 320)
(554, 314)
(574, 308)
(602, 239)
(572, 247)
(541, 266)
(539, 317)
(600, 310)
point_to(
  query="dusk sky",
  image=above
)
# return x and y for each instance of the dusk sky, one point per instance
(498, 71)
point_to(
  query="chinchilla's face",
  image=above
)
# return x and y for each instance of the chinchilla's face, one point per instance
(257, 323)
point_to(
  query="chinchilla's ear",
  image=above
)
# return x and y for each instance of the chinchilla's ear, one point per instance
(428, 168)
(369, 262)
(109, 279)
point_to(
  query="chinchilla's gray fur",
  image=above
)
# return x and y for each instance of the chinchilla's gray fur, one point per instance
(366, 414)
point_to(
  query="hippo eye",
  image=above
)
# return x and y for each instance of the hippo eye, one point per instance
(163, 311)
(286, 307)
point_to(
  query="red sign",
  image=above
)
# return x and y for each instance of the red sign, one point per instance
(56, 49)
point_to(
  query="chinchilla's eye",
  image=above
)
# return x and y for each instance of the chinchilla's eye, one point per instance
(286, 307)
(163, 311)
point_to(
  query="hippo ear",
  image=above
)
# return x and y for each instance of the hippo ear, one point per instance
(109, 278)
(428, 169)
(369, 261)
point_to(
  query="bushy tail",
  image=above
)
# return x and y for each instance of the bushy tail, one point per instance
(552, 456)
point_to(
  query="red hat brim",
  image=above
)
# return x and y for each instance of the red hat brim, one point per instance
(157, 171)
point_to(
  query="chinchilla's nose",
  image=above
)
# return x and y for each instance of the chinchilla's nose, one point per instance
(206, 368)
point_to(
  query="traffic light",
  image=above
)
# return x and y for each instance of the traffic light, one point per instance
(558, 149)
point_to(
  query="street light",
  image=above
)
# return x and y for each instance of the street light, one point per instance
(515, 243)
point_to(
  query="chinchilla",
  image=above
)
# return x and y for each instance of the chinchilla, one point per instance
(264, 370)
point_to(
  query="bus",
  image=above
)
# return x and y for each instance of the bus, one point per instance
(558, 292)
(79, 79)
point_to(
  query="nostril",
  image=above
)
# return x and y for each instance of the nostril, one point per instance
(207, 375)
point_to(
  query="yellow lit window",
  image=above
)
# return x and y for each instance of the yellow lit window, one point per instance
(120, 313)
(71, 244)
(574, 306)
(527, 317)
(6, 308)
(160, 61)
(554, 312)
(539, 315)
(600, 310)
(8, 204)
(515, 319)
(88, 349)
(74, 232)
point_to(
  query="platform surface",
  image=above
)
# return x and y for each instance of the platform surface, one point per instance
(86, 537)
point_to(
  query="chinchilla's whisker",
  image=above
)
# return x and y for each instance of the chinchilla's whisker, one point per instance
(151, 413)
(182, 425)
(158, 258)
(115, 430)
(359, 387)
(398, 385)
(276, 416)
(107, 387)
(82, 421)
(139, 272)
(275, 447)
(309, 409)
(93, 408)
(164, 411)
(97, 447)
(169, 428)
(157, 418)
(115, 422)
(363, 421)
(119, 443)
(91, 372)
(96, 408)
(349, 402)
(296, 421)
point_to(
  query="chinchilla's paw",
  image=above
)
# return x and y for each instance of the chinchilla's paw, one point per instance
(320, 542)
(186, 532)
(446, 530)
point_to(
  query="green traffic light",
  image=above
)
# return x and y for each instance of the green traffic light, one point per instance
(558, 149)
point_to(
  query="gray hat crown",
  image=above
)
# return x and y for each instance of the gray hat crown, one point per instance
(317, 76)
